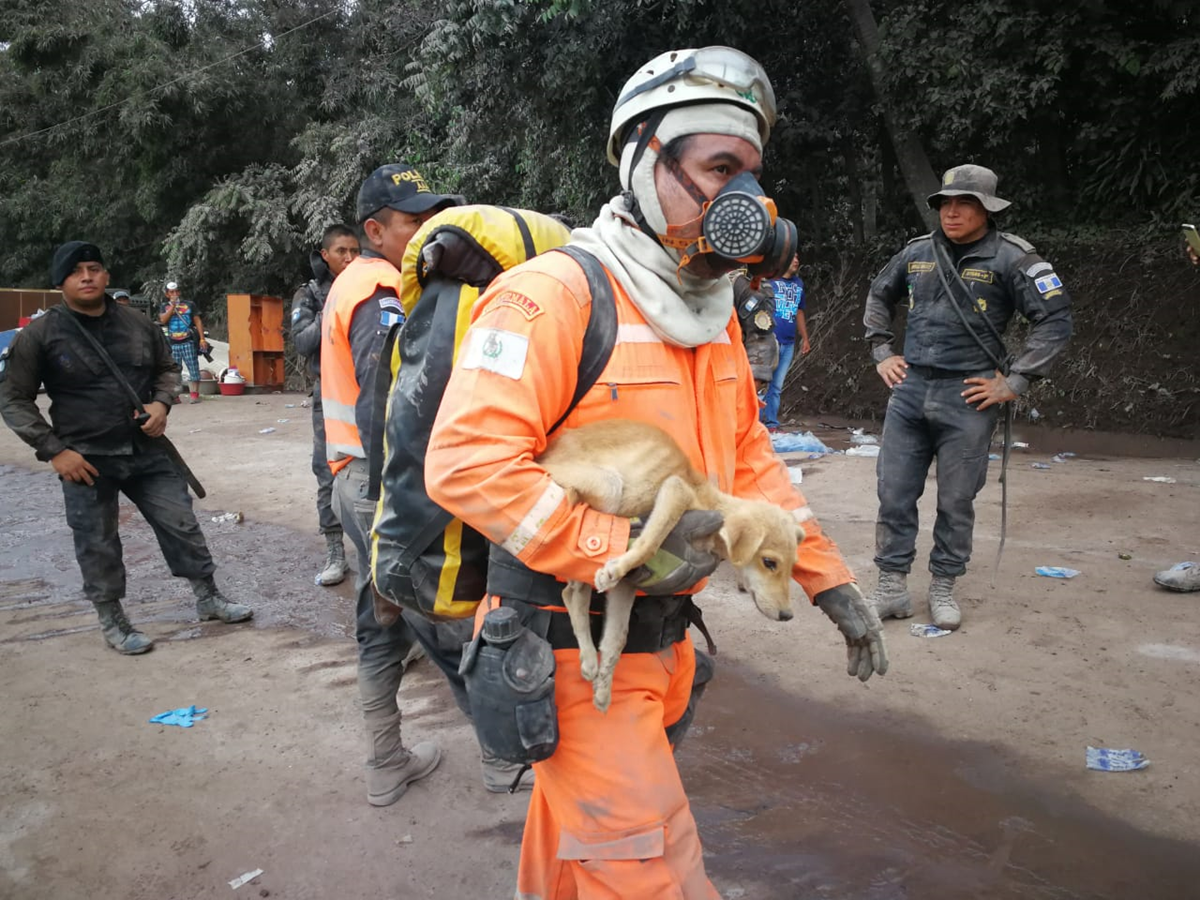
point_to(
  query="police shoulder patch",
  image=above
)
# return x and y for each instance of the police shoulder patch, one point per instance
(526, 306)
(1048, 283)
(1017, 241)
(1038, 267)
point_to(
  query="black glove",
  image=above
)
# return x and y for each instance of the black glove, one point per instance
(858, 622)
(678, 564)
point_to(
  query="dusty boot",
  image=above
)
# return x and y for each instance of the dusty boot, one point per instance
(211, 604)
(1183, 577)
(119, 634)
(335, 568)
(942, 608)
(391, 768)
(499, 774)
(891, 597)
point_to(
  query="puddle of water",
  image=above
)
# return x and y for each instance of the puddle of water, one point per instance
(795, 800)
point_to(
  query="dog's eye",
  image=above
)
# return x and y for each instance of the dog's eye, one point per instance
(770, 564)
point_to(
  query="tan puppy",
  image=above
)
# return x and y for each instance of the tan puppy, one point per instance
(629, 468)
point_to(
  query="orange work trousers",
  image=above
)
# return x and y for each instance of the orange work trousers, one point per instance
(608, 818)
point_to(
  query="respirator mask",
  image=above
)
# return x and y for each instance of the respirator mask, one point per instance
(740, 226)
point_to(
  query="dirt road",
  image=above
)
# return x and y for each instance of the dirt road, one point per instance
(960, 774)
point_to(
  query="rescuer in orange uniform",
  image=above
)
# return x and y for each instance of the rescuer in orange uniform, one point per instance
(608, 817)
(362, 305)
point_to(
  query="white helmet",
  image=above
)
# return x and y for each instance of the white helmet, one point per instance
(679, 77)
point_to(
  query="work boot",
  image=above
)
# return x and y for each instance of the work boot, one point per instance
(942, 608)
(891, 597)
(335, 569)
(211, 603)
(499, 774)
(119, 634)
(1183, 577)
(392, 768)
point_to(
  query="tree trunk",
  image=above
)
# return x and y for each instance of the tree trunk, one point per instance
(853, 184)
(910, 153)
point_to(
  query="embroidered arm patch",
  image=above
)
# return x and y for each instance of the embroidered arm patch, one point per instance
(496, 350)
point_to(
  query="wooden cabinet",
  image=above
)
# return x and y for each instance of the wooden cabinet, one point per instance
(256, 338)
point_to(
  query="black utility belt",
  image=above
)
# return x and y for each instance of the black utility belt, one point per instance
(655, 624)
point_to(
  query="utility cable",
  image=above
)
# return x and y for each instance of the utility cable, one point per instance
(167, 84)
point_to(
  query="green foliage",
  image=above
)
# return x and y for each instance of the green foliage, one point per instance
(213, 142)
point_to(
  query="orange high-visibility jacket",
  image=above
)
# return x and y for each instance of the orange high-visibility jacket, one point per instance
(515, 374)
(339, 384)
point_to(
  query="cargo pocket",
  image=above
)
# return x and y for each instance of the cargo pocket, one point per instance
(647, 843)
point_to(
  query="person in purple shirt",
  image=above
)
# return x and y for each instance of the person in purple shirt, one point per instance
(789, 320)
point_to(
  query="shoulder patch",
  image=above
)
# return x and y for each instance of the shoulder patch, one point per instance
(1047, 283)
(296, 313)
(392, 303)
(496, 350)
(921, 237)
(1038, 267)
(526, 306)
(921, 266)
(1017, 241)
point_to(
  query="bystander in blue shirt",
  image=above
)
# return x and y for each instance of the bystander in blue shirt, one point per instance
(789, 322)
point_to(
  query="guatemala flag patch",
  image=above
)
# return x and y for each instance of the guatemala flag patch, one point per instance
(1048, 283)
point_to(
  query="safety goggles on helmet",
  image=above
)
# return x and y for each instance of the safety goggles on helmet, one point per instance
(706, 75)
(720, 66)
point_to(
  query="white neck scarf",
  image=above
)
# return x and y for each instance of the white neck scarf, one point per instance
(682, 309)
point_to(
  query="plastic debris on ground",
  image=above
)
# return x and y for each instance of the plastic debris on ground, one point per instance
(243, 879)
(235, 517)
(916, 629)
(305, 404)
(995, 457)
(857, 437)
(795, 475)
(865, 450)
(1056, 572)
(1124, 556)
(283, 421)
(1105, 759)
(1039, 465)
(1067, 454)
(184, 717)
(1021, 445)
(289, 406)
(788, 442)
(194, 430)
(266, 430)
(1161, 479)
(1059, 457)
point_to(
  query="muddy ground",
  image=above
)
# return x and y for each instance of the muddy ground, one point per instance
(958, 775)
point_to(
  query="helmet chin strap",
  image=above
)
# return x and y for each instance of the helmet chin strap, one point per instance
(686, 239)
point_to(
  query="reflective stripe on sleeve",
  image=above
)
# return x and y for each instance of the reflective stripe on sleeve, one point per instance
(534, 519)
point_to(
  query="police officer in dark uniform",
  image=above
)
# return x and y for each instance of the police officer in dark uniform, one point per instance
(95, 443)
(339, 247)
(960, 286)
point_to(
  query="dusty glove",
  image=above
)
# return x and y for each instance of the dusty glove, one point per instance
(679, 563)
(858, 622)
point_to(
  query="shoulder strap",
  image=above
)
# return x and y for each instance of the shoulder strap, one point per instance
(601, 334)
(379, 401)
(103, 354)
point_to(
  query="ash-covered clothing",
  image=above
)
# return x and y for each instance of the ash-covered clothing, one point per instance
(307, 304)
(1004, 275)
(789, 302)
(90, 411)
(151, 480)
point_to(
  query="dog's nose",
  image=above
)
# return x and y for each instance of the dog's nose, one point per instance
(785, 615)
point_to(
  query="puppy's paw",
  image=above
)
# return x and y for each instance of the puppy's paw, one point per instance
(609, 576)
(589, 664)
(602, 693)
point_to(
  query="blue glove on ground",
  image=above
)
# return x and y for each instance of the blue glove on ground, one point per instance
(184, 717)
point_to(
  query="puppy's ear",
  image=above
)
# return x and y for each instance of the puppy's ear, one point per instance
(742, 536)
